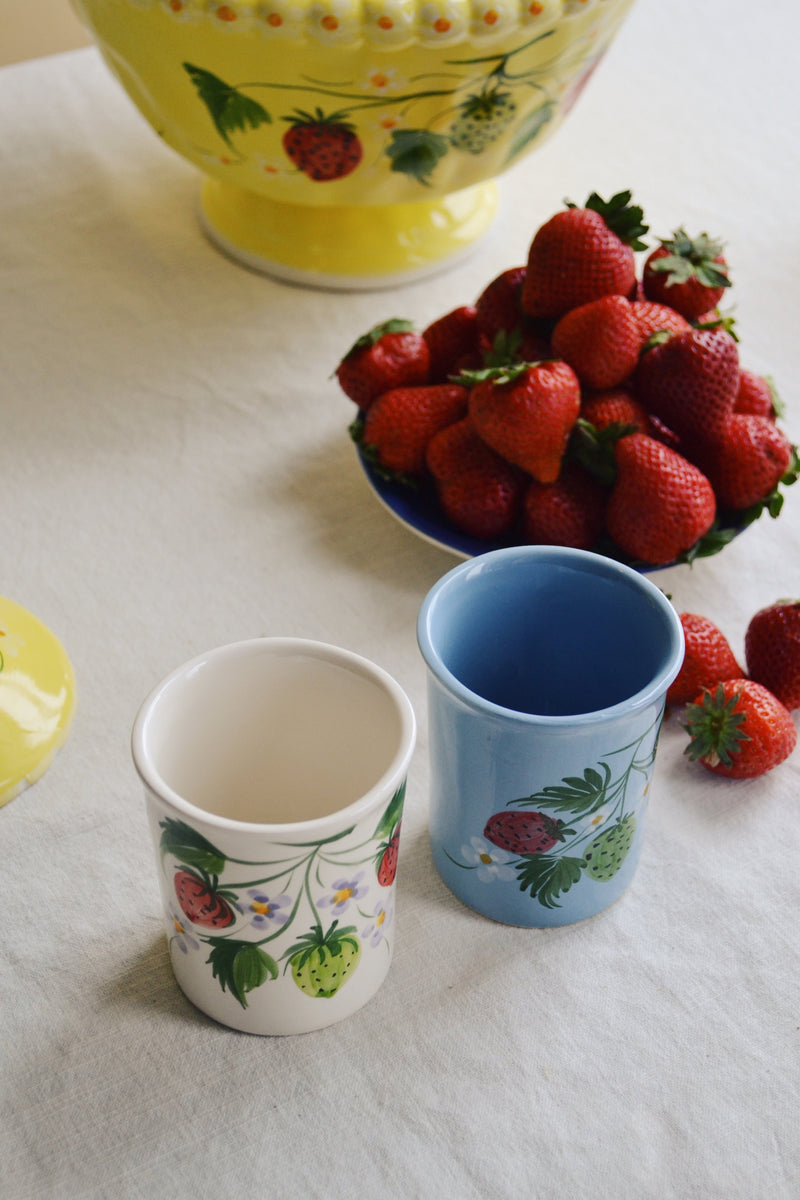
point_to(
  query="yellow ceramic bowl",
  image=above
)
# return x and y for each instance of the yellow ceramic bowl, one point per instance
(351, 142)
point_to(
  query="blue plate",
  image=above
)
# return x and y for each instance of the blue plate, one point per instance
(418, 509)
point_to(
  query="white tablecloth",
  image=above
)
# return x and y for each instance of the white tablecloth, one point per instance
(177, 474)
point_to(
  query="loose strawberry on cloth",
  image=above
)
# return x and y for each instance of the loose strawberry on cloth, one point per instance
(772, 650)
(708, 659)
(740, 730)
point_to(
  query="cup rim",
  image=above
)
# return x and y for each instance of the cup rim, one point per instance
(389, 780)
(592, 563)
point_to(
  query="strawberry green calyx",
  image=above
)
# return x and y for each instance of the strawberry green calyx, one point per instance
(692, 258)
(724, 321)
(622, 218)
(593, 448)
(714, 726)
(506, 373)
(393, 325)
(318, 117)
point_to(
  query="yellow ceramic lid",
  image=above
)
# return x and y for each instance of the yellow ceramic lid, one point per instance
(37, 698)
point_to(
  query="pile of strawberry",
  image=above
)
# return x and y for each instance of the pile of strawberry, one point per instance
(577, 403)
(740, 724)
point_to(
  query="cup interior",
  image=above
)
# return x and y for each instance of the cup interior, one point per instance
(272, 731)
(550, 633)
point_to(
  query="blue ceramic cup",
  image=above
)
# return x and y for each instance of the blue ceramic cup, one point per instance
(547, 677)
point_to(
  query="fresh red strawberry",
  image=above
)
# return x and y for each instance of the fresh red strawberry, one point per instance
(524, 832)
(200, 903)
(689, 381)
(689, 274)
(652, 317)
(756, 395)
(600, 341)
(498, 306)
(581, 254)
(772, 650)
(391, 355)
(322, 147)
(453, 341)
(614, 406)
(707, 660)
(526, 412)
(398, 426)
(660, 504)
(479, 492)
(741, 730)
(568, 512)
(747, 461)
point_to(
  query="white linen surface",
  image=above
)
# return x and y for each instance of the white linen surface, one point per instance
(177, 474)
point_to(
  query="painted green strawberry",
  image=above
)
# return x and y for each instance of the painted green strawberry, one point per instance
(608, 851)
(481, 119)
(323, 962)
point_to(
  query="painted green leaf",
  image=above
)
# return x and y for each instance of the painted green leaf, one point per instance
(228, 108)
(240, 966)
(394, 811)
(190, 847)
(529, 129)
(547, 876)
(416, 152)
(574, 795)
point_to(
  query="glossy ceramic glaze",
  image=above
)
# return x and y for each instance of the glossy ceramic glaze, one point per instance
(274, 774)
(547, 676)
(300, 111)
(37, 698)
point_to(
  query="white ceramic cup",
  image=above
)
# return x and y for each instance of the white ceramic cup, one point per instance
(274, 774)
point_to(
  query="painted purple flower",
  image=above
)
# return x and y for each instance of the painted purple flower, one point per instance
(343, 891)
(183, 938)
(381, 919)
(262, 910)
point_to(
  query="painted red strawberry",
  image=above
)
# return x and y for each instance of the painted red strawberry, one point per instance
(652, 317)
(201, 903)
(660, 505)
(524, 832)
(398, 425)
(479, 492)
(757, 395)
(581, 254)
(772, 650)
(387, 860)
(740, 730)
(391, 355)
(690, 381)
(453, 343)
(747, 461)
(568, 512)
(322, 147)
(526, 413)
(707, 660)
(600, 341)
(689, 274)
